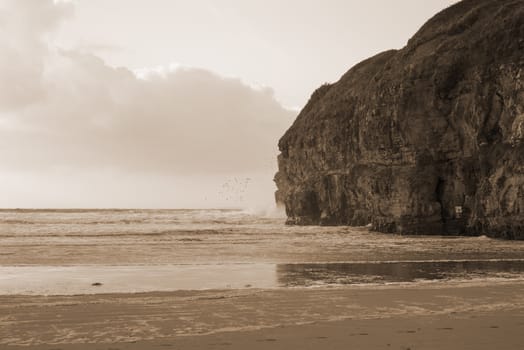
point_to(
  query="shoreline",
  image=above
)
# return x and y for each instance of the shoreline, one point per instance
(198, 319)
(125, 279)
(492, 330)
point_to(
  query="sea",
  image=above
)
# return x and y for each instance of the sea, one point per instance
(74, 252)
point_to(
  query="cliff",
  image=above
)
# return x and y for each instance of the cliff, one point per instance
(428, 139)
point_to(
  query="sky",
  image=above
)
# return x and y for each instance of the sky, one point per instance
(170, 103)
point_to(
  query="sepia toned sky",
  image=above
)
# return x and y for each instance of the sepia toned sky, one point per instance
(170, 103)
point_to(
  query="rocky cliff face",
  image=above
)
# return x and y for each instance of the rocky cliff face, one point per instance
(428, 139)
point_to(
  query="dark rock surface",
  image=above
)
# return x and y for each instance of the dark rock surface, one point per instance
(428, 139)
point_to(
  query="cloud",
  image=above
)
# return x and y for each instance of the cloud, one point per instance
(23, 25)
(186, 120)
(67, 109)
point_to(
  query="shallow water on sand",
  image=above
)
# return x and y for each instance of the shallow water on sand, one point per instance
(66, 251)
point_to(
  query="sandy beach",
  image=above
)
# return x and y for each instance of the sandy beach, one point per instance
(75, 280)
(465, 315)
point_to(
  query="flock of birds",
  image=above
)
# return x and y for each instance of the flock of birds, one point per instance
(234, 189)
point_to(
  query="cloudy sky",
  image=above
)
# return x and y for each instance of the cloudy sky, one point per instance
(170, 103)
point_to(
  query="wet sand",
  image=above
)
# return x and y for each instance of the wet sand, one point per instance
(430, 316)
(96, 279)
